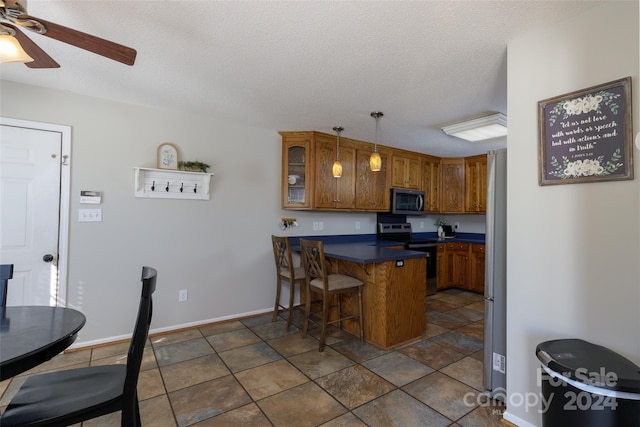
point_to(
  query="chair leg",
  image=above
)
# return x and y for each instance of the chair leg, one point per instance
(360, 313)
(307, 310)
(325, 319)
(138, 421)
(130, 416)
(275, 308)
(292, 291)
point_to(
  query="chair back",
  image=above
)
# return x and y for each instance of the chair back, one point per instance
(6, 273)
(282, 254)
(140, 334)
(313, 260)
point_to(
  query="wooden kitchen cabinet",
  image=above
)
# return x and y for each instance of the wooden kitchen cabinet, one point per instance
(330, 192)
(372, 188)
(452, 185)
(406, 171)
(441, 267)
(296, 177)
(457, 259)
(431, 183)
(476, 276)
(475, 175)
(460, 265)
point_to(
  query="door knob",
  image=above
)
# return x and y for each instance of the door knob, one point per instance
(47, 258)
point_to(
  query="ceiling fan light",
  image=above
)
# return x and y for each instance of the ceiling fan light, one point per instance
(337, 169)
(375, 162)
(480, 129)
(11, 50)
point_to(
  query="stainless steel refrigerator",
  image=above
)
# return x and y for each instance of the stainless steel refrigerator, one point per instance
(495, 293)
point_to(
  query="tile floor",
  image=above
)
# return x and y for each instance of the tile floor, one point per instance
(254, 373)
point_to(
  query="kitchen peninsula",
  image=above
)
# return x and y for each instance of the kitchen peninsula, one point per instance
(394, 297)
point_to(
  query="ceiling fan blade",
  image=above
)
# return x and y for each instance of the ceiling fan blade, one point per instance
(40, 58)
(85, 41)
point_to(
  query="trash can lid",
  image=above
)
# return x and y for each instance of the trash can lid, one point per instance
(590, 363)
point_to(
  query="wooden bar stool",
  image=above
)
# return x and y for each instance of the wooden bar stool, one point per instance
(320, 281)
(285, 271)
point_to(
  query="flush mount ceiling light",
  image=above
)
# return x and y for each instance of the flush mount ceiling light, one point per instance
(337, 166)
(487, 127)
(375, 162)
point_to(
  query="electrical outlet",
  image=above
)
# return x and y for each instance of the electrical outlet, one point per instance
(456, 225)
(315, 225)
(421, 224)
(321, 225)
(357, 225)
(499, 362)
(182, 295)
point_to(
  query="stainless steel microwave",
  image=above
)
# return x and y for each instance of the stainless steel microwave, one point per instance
(407, 202)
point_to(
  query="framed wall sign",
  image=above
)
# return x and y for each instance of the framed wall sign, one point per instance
(167, 156)
(586, 136)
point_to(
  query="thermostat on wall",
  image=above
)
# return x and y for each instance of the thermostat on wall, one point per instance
(92, 197)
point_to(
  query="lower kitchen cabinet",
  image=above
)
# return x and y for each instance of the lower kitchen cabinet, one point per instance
(476, 277)
(441, 267)
(457, 255)
(460, 265)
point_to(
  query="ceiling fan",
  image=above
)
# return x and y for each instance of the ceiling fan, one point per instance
(14, 17)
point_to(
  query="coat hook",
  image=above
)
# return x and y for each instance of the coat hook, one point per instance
(182, 187)
(153, 186)
(195, 188)
(167, 187)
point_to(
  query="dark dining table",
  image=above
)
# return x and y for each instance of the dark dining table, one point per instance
(31, 335)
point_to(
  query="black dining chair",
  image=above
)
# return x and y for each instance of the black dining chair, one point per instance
(6, 273)
(67, 397)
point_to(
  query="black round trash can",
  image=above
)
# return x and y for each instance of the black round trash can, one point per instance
(587, 385)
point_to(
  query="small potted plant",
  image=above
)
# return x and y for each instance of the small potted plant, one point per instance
(439, 223)
(193, 166)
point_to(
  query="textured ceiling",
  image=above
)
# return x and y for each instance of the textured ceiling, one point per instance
(303, 65)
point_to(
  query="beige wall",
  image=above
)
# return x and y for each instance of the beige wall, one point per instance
(573, 250)
(219, 249)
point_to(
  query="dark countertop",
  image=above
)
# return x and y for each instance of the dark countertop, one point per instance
(367, 253)
(366, 249)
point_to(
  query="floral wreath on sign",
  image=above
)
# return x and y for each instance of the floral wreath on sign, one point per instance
(572, 107)
(587, 167)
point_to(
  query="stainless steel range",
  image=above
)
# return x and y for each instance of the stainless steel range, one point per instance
(401, 232)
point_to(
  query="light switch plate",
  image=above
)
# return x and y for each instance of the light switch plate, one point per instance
(90, 215)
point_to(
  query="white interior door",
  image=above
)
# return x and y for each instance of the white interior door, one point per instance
(30, 208)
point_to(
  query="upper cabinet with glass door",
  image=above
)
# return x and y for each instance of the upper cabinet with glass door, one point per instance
(296, 180)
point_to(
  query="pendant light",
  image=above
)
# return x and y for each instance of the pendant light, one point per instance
(375, 162)
(337, 166)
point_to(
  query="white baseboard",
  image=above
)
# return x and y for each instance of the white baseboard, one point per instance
(108, 340)
(515, 420)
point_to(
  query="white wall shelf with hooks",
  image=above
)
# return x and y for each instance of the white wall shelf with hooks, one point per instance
(171, 184)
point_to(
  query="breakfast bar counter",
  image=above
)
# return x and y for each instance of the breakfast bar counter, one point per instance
(395, 291)
(367, 253)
